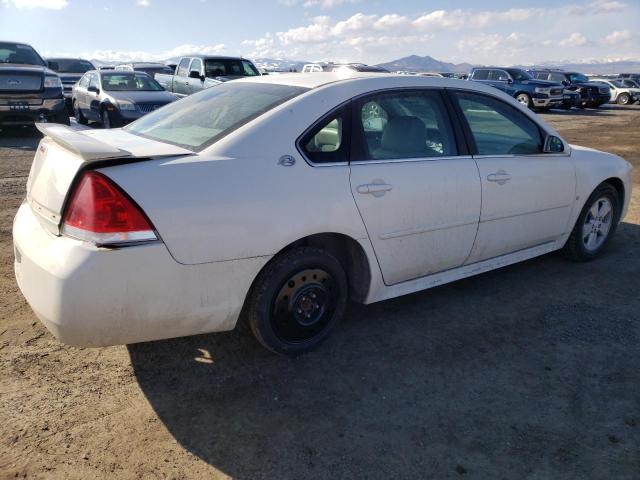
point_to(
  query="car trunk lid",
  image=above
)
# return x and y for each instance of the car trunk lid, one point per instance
(64, 152)
(20, 80)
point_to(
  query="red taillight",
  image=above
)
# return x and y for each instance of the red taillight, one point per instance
(100, 212)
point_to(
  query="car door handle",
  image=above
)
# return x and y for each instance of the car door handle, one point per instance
(501, 177)
(375, 189)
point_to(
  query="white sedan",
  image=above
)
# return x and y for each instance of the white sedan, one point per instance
(281, 198)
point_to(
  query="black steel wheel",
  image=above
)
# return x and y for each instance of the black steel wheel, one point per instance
(297, 300)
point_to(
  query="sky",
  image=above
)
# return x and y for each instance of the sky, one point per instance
(368, 31)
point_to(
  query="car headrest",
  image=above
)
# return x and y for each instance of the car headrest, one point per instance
(404, 135)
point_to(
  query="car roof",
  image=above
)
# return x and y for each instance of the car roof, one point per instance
(67, 58)
(213, 57)
(391, 80)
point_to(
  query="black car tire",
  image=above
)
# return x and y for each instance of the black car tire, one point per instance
(297, 300)
(623, 99)
(575, 248)
(80, 118)
(61, 117)
(105, 119)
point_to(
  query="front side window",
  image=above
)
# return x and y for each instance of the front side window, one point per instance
(183, 67)
(196, 65)
(84, 81)
(229, 68)
(203, 118)
(499, 128)
(498, 76)
(399, 125)
(578, 78)
(93, 80)
(557, 77)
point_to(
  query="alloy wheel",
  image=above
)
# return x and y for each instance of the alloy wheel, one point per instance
(597, 224)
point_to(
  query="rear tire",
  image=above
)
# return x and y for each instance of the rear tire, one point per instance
(105, 119)
(297, 300)
(77, 113)
(595, 226)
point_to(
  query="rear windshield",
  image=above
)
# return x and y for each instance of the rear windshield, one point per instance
(201, 119)
(69, 65)
(17, 53)
(229, 68)
(129, 82)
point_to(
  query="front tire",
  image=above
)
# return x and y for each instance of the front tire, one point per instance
(524, 99)
(595, 226)
(623, 99)
(297, 300)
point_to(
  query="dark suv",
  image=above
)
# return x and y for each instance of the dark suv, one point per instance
(591, 95)
(70, 71)
(29, 91)
(518, 83)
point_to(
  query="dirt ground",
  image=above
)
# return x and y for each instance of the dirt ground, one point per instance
(529, 372)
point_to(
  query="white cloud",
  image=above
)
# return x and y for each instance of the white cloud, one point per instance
(141, 55)
(324, 4)
(618, 38)
(143, 3)
(48, 4)
(576, 39)
(597, 7)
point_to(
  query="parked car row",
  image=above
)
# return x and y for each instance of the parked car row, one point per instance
(35, 90)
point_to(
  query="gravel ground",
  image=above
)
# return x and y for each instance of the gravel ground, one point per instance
(529, 372)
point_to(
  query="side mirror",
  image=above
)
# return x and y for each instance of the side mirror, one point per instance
(552, 144)
(509, 80)
(565, 83)
(93, 88)
(195, 74)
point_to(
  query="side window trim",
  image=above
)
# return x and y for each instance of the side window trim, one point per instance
(357, 135)
(473, 148)
(301, 141)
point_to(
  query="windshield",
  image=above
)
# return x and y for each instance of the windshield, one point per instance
(17, 53)
(129, 82)
(69, 65)
(201, 119)
(519, 75)
(578, 78)
(229, 68)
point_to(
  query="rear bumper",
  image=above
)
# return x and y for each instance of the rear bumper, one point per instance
(89, 296)
(29, 114)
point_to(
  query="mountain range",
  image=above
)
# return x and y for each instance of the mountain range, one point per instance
(416, 63)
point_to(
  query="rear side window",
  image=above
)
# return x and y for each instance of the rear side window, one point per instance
(499, 128)
(405, 124)
(328, 140)
(498, 75)
(480, 75)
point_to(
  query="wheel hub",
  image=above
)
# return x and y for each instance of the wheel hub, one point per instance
(304, 305)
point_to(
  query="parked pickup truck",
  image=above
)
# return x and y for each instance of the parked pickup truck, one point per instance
(591, 96)
(528, 91)
(198, 72)
(29, 91)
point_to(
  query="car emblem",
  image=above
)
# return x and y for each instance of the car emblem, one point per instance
(13, 82)
(287, 161)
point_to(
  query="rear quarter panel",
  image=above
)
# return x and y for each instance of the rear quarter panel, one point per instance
(234, 200)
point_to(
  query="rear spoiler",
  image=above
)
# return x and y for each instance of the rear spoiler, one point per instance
(87, 148)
